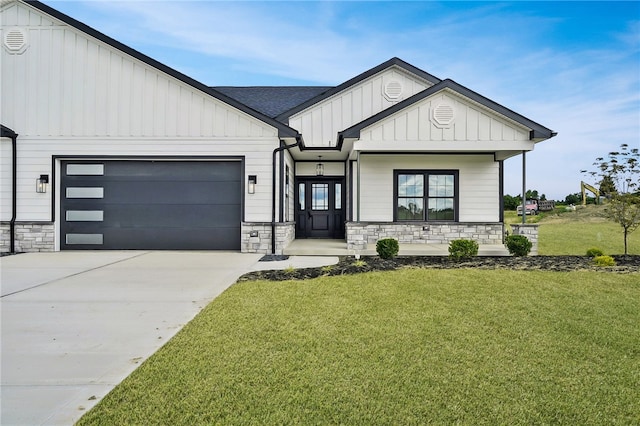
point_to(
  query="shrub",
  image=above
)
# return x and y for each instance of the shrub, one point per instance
(518, 245)
(604, 261)
(387, 248)
(594, 252)
(459, 249)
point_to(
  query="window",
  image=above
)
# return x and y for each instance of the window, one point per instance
(429, 195)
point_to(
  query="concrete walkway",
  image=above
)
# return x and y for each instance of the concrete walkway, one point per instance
(75, 324)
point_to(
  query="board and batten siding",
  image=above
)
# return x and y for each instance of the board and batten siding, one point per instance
(321, 122)
(479, 180)
(471, 123)
(69, 94)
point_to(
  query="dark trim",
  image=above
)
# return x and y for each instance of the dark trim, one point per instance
(6, 132)
(425, 196)
(501, 190)
(537, 130)
(357, 79)
(282, 147)
(283, 129)
(351, 162)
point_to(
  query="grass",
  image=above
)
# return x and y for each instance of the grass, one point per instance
(404, 347)
(573, 233)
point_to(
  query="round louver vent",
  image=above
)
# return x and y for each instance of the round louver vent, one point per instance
(443, 115)
(15, 40)
(393, 90)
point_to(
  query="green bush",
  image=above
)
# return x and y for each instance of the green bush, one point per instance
(459, 249)
(518, 245)
(604, 261)
(387, 248)
(594, 252)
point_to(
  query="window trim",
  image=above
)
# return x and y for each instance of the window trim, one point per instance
(425, 195)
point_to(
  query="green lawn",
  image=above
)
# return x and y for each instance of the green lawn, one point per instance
(573, 233)
(404, 347)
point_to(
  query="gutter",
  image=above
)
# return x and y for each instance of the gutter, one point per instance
(280, 149)
(8, 133)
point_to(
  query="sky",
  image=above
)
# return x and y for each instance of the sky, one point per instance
(573, 67)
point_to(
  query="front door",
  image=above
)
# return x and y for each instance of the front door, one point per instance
(320, 208)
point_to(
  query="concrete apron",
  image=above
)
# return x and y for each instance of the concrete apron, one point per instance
(75, 324)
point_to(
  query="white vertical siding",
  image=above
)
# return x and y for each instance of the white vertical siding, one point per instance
(471, 123)
(69, 84)
(479, 182)
(320, 123)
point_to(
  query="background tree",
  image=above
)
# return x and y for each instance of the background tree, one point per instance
(510, 202)
(622, 168)
(607, 187)
(575, 198)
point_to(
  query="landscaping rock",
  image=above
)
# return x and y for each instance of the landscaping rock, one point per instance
(348, 265)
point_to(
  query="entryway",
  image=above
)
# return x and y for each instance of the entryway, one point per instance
(320, 207)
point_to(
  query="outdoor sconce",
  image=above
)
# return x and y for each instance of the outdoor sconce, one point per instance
(319, 167)
(251, 186)
(41, 184)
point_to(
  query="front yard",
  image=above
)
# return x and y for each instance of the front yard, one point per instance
(413, 346)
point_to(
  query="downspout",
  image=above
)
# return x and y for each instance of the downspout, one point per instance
(6, 132)
(281, 148)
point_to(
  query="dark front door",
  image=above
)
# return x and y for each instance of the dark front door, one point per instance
(320, 208)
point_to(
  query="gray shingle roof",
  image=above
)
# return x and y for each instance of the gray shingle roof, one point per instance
(272, 100)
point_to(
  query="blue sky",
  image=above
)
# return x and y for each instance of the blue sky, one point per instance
(571, 66)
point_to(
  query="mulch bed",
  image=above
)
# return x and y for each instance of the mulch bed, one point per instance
(348, 265)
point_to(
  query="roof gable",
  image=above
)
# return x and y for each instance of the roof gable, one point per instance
(397, 62)
(536, 131)
(283, 129)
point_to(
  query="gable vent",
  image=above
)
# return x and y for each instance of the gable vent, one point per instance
(15, 40)
(393, 90)
(443, 115)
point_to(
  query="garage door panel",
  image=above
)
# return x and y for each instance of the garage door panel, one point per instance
(172, 171)
(185, 192)
(153, 205)
(145, 215)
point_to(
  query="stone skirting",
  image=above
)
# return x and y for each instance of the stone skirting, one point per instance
(529, 230)
(361, 234)
(29, 237)
(260, 242)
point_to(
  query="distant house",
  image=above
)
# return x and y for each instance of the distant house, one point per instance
(115, 150)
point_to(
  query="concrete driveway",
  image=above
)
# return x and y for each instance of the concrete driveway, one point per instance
(74, 324)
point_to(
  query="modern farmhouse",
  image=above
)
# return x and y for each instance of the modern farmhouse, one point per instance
(103, 147)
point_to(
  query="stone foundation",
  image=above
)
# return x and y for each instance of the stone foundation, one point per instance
(261, 241)
(29, 237)
(529, 230)
(361, 234)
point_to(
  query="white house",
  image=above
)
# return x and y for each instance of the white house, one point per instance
(105, 148)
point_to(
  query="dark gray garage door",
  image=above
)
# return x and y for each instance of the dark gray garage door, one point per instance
(151, 205)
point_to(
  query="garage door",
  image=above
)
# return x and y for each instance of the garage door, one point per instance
(151, 205)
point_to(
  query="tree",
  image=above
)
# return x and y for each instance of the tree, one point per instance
(511, 202)
(607, 186)
(574, 198)
(622, 168)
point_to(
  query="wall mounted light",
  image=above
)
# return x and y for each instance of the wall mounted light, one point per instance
(251, 185)
(41, 184)
(319, 167)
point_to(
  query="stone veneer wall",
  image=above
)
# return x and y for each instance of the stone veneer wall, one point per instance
(529, 230)
(360, 235)
(30, 236)
(285, 233)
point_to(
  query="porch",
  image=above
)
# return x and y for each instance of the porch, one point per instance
(331, 247)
